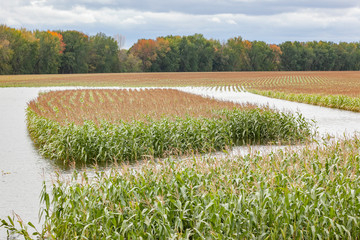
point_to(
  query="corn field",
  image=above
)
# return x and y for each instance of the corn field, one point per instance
(77, 106)
(310, 193)
(332, 101)
(64, 134)
(108, 142)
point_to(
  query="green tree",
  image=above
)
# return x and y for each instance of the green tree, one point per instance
(75, 58)
(221, 58)
(167, 55)
(51, 48)
(347, 56)
(296, 56)
(128, 62)
(24, 47)
(6, 52)
(196, 54)
(234, 51)
(324, 52)
(104, 54)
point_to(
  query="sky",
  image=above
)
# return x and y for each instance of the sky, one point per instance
(272, 21)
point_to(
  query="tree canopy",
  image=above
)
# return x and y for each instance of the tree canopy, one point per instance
(46, 52)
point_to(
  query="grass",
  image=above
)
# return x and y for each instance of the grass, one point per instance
(311, 193)
(215, 126)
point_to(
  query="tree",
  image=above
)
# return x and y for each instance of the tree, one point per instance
(234, 50)
(296, 56)
(196, 54)
(24, 47)
(51, 47)
(188, 56)
(75, 58)
(206, 53)
(167, 55)
(146, 50)
(276, 61)
(324, 59)
(128, 62)
(6, 52)
(104, 54)
(261, 57)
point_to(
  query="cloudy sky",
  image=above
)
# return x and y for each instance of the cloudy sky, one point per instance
(272, 21)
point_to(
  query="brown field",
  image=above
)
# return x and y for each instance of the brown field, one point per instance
(126, 105)
(343, 83)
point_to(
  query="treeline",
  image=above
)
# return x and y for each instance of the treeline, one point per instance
(40, 52)
(195, 53)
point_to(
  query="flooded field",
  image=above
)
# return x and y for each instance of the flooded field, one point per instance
(22, 170)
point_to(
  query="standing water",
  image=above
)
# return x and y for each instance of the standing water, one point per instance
(22, 169)
(331, 121)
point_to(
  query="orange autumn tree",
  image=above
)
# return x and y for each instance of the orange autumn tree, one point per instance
(60, 39)
(146, 50)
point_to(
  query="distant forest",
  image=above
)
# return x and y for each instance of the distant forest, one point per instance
(47, 52)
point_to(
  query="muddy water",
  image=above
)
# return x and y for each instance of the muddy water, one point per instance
(22, 170)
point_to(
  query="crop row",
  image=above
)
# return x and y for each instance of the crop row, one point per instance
(310, 193)
(124, 105)
(332, 101)
(279, 81)
(128, 141)
(284, 81)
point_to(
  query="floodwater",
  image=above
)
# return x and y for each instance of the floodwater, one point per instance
(329, 120)
(22, 170)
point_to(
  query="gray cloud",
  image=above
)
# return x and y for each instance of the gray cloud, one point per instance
(266, 20)
(249, 7)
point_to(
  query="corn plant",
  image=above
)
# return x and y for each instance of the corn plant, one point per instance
(129, 141)
(311, 193)
(332, 101)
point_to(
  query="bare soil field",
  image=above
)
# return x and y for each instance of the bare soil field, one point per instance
(342, 83)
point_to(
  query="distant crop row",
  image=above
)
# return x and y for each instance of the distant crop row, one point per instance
(310, 90)
(271, 82)
(311, 193)
(323, 83)
(108, 140)
(290, 80)
(332, 101)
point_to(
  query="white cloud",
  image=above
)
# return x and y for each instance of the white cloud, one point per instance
(37, 2)
(303, 23)
(215, 20)
(134, 20)
(230, 21)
